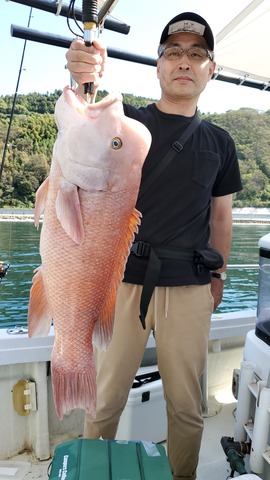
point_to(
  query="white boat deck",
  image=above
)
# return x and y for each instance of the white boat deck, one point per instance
(212, 466)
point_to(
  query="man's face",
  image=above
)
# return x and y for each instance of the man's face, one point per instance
(184, 78)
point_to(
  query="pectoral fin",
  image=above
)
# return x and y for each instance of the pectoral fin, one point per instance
(39, 312)
(41, 196)
(68, 211)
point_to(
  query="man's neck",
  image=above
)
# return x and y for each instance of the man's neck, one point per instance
(185, 107)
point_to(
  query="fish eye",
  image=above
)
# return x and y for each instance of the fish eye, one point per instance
(116, 143)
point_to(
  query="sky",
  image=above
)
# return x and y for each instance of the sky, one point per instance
(44, 65)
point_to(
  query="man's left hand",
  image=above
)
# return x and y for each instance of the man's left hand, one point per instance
(217, 286)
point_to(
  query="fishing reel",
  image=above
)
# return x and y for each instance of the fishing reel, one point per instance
(235, 452)
(4, 266)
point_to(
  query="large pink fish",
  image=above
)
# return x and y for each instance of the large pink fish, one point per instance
(89, 224)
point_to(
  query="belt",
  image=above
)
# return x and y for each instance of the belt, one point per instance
(155, 255)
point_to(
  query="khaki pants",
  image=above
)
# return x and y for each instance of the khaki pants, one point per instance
(180, 319)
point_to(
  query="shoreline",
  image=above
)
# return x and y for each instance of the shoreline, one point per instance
(238, 218)
(30, 218)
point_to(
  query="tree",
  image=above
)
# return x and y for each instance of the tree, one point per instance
(34, 131)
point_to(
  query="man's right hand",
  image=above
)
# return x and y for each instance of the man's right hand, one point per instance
(86, 64)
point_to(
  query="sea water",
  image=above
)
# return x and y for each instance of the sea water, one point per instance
(19, 246)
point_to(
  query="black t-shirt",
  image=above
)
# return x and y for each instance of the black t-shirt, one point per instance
(176, 207)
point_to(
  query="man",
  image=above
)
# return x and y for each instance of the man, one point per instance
(187, 207)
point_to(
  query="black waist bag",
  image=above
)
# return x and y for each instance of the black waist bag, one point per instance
(208, 258)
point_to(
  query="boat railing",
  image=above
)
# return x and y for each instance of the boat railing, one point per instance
(243, 266)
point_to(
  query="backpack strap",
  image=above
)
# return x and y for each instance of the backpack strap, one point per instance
(175, 148)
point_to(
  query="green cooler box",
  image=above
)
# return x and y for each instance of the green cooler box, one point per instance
(84, 459)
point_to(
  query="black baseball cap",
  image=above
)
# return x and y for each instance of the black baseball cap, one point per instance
(189, 22)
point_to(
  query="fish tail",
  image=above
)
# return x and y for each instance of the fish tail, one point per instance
(39, 312)
(73, 390)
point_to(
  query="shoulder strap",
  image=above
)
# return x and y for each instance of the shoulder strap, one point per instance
(176, 147)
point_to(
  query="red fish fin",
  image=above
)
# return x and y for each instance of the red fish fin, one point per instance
(41, 196)
(68, 211)
(135, 222)
(39, 313)
(72, 389)
(103, 328)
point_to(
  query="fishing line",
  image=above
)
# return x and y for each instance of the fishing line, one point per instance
(71, 15)
(14, 102)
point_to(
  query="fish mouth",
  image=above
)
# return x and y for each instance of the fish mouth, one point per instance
(75, 100)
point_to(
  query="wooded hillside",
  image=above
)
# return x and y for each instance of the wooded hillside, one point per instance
(33, 134)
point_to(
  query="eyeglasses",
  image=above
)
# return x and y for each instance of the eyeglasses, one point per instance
(195, 54)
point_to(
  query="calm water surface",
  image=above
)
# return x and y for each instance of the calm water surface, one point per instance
(19, 245)
(241, 287)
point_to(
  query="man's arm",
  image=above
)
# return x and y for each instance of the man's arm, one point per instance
(220, 238)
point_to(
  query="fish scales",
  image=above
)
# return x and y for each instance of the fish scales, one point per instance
(83, 265)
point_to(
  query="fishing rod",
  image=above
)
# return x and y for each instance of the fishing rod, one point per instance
(90, 22)
(91, 19)
(14, 102)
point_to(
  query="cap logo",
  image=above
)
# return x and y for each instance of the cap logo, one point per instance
(186, 26)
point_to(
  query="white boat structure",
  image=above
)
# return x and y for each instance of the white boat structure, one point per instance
(30, 429)
(238, 359)
(235, 397)
(28, 420)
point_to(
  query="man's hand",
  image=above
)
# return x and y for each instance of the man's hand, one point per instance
(86, 64)
(217, 286)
